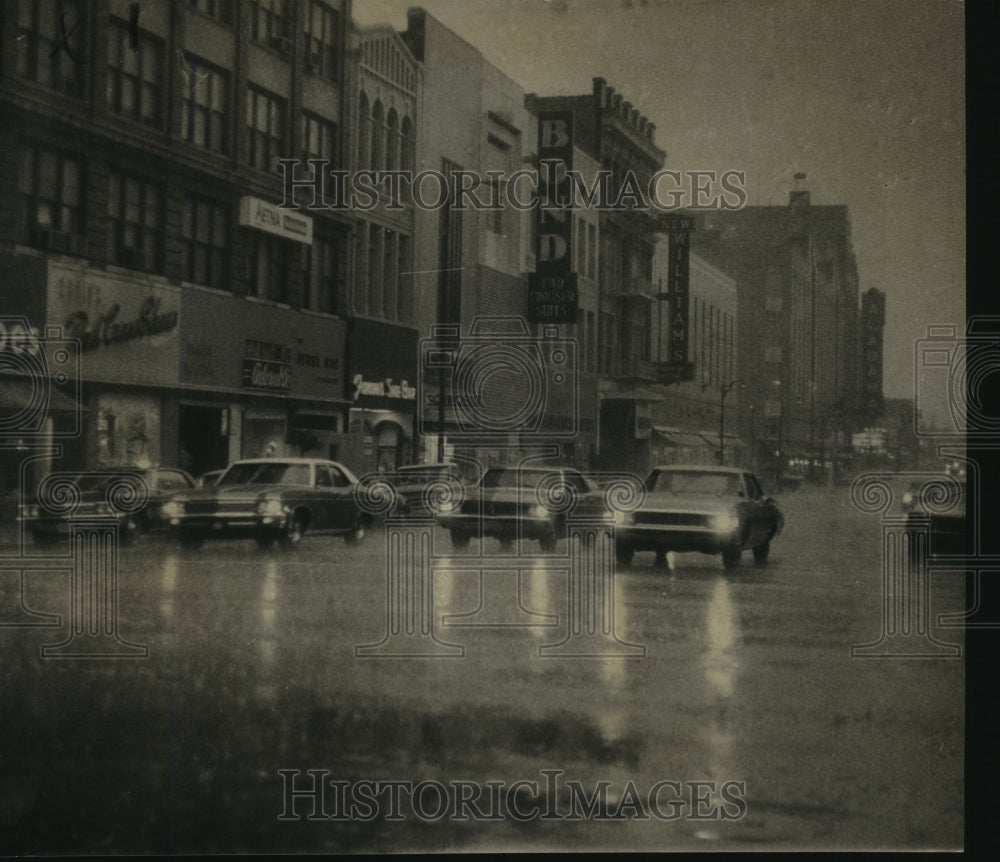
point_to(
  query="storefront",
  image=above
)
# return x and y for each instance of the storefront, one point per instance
(382, 387)
(268, 384)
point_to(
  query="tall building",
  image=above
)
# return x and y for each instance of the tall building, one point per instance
(381, 329)
(871, 405)
(139, 193)
(798, 311)
(467, 261)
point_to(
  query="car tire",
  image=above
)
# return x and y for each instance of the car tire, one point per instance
(731, 556)
(460, 540)
(623, 554)
(761, 552)
(292, 536)
(548, 543)
(357, 534)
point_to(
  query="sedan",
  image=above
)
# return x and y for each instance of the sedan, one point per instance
(522, 502)
(942, 506)
(272, 500)
(133, 495)
(414, 483)
(714, 510)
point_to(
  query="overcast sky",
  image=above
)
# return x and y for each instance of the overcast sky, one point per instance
(866, 97)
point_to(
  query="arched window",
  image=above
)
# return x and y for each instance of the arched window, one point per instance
(363, 121)
(392, 141)
(378, 138)
(408, 146)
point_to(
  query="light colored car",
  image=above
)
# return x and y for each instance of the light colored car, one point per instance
(523, 502)
(713, 510)
(271, 499)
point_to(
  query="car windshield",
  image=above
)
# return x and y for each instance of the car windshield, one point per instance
(97, 481)
(693, 482)
(268, 473)
(513, 478)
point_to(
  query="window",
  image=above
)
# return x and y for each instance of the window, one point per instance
(389, 273)
(322, 36)
(363, 131)
(591, 346)
(134, 77)
(319, 138)
(377, 137)
(319, 273)
(494, 216)
(407, 146)
(206, 237)
(592, 251)
(135, 215)
(206, 102)
(270, 275)
(269, 24)
(266, 119)
(51, 186)
(580, 239)
(404, 306)
(220, 10)
(392, 141)
(50, 36)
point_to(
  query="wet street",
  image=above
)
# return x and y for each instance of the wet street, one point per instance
(720, 711)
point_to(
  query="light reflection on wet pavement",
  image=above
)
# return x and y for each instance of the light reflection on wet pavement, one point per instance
(747, 677)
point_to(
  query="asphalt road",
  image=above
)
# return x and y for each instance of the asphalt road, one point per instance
(709, 710)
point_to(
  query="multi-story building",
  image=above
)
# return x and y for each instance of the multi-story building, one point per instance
(695, 421)
(139, 193)
(798, 312)
(469, 261)
(381, 331)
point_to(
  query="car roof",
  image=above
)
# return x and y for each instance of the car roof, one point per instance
(285, 461)
(553, 469)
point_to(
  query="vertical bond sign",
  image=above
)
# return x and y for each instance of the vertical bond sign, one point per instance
(552, 289)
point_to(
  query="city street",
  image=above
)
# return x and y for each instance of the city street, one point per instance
(747, 699)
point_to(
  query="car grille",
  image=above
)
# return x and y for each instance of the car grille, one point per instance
(493, 509)
(671, 519)
(201, 507)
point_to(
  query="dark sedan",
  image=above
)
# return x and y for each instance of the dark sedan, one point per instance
(133, 495)
(943, 505)
(523, 502)
(272, 500)
(713, 510)
(417, 484)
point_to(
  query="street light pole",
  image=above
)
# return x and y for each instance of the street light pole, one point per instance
(723, 392)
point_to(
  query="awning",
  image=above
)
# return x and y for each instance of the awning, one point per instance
(695, 439)
(682, 437)
(19, 395)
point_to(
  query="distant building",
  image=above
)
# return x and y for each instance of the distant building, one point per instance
(871, 406)
(798, 310)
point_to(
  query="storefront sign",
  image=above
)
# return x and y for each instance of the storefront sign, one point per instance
(382, 388)
(271, 218)
(678, 268)
(552, 294)
(111, 326)
(266, 375)
(382, 360)
(128, 325)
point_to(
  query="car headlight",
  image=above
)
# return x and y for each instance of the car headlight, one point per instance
(447, 506)
(172, 509)
(623, 518)
(29, 511)
(540, 512)
(724, 523)
(270, 507)
(907, 500)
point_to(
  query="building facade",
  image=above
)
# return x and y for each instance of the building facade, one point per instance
(798, 346)
(381, 327)
(139, 212)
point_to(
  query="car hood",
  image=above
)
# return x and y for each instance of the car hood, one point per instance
(230, 492)
(666, 502)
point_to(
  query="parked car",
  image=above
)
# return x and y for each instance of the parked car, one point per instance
(269, 500)
(714, 510)
(97, 493)
(413, 482)
(945, 504)
(525, 502)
